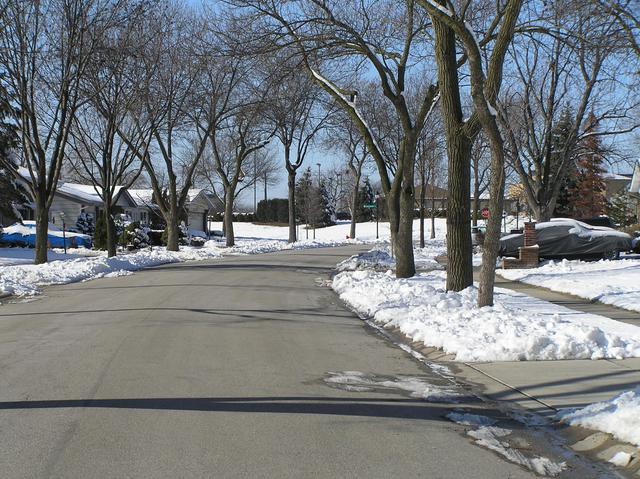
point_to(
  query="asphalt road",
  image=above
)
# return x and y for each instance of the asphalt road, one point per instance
(215, 369)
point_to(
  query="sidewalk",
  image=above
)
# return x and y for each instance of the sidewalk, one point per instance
(543, 387)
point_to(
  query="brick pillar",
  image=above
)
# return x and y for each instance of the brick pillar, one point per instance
(530, 234)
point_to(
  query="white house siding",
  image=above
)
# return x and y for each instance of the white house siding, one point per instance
(70, 208)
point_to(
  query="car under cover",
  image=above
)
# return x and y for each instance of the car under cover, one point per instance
(566, 238)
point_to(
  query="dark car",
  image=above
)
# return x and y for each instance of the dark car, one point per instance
(565, 238)
(599, 221)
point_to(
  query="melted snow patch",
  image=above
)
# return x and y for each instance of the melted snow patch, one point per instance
(491, 438)
(619, 416)
(416, 387)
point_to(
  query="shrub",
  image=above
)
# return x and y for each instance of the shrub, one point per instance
(136, 236)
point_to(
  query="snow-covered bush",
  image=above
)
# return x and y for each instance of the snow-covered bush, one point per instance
(85, 224)
(136, 236)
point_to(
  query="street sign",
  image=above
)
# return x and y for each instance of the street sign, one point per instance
(485, 213)
(368, 206)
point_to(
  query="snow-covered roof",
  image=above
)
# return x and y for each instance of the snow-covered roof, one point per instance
(71, 190)
(142, 197)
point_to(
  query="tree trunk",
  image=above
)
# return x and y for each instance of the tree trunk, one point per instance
(42, 234)
(354, 206)
(459, 250)
(423, 195)
(291, 183)
(111, 231)
(403, 244)
(172, 229)
(228, 219)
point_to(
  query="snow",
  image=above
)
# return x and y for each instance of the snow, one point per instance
(468, 419)
(489, 436)
(517, 327)
(14, 256)
(611, 282)
(619, 416)
(416, 387)
(380, 258)
(621, 459)
(25, 279)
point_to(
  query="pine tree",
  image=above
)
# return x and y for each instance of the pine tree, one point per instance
(85, 223)
(327, 212)
(588, 195)
(304, 196)
(619, 211)
(12, 195)
(366, 196)
(561, 131)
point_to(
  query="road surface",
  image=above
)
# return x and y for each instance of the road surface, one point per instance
(215, 369)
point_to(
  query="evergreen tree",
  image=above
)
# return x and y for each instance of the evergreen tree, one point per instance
(559, 142)
(588, 195)
(619, 211)
(366, 196)
(12, 195)
(304, 197)
(85, 223)
(327, 216)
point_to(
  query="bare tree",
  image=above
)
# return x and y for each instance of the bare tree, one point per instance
(568, 66)
(233, 144)
(110, 93)
(171, 99)
(298, 115)
(45, 47)
(480, 163)
(485, 75)
(350, 142)
(352, 35)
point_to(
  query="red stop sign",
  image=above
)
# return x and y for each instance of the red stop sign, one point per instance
(485, 213)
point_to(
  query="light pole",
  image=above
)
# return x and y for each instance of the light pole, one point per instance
(64, 231)
(319, 193)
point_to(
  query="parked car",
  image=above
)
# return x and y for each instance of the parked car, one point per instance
(599, 221)
(566, 238)
(24, 234)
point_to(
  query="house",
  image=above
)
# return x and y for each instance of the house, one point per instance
(634, 190)
(72, 199)
(438, 196)
(616, 183)
(196, 209)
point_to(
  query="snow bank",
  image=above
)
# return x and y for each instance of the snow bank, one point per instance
(516, 328)
(380, 258)
(619, 416)
(610, 282)
(25, 279)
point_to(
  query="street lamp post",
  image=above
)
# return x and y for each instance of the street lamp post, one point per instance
(64, 232)
(377, 214)
(320, 193)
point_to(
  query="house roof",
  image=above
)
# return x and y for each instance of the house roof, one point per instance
(142, 197)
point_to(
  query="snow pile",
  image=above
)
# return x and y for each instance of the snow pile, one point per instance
(25, 279)
(13, 256)
(257, 246)
(415, 386)
(619, 416)
(468, 419)
(380, 258)
(611, 282)
(517, 327)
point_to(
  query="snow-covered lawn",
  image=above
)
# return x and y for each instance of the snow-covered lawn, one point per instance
(517, 327)
(26, 279)
(619, 416)
(611, 282)
(338, 232)
(13, 256)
